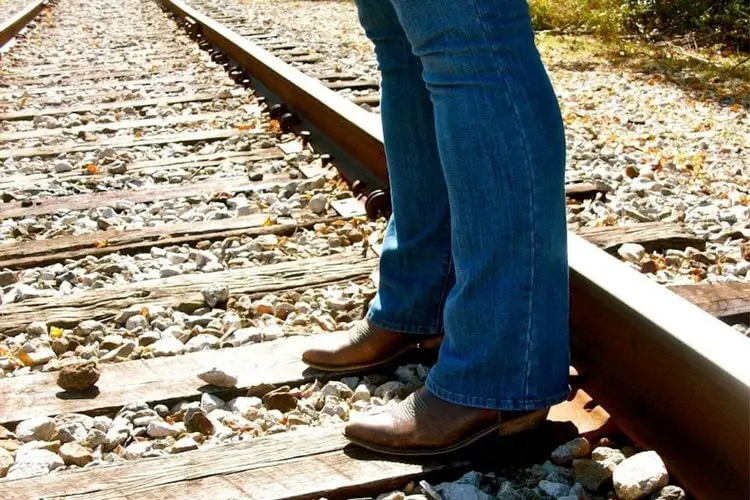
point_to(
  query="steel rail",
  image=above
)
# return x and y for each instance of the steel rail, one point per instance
(355, 130)
(19, 20)
(674, 378)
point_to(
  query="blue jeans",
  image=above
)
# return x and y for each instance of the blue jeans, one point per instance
(476, 246)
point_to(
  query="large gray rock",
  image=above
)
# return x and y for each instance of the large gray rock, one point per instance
(639, 476)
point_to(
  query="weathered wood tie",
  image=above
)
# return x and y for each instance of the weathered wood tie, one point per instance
(309, 463)
(43, 252)
(181, 292)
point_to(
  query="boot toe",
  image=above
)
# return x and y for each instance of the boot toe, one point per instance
(316, 356)
(373, 429)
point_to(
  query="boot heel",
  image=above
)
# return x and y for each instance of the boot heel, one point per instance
(523, 423)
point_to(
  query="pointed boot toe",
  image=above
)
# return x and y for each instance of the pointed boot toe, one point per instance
(364, 346)
(424, 424)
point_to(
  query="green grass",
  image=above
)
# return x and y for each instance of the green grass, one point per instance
(723, 24)
(601, 17)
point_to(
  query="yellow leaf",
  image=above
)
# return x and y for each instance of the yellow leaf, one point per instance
(55, 332)
(144, 312)
(268, 222)
(24, 357)
(101, 243)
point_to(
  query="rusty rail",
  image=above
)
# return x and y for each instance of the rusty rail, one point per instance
(19, 20)
(674, 378)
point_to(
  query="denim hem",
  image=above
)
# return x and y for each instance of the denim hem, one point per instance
(401, 327)
(494, 404)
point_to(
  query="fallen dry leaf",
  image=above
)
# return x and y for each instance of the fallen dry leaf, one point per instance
(24, 357)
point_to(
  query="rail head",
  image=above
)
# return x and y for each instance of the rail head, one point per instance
(20, 20)
(679, 322)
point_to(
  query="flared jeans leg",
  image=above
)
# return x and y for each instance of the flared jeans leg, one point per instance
(476, 162)
(415, 263)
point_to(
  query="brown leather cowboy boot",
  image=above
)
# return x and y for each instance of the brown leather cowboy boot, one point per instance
(424, 424)
(365, 346)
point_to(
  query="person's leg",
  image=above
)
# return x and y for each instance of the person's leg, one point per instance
(415, 264)
(502, 147)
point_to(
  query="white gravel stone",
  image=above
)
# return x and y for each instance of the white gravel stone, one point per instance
(41, 356)
(318, 203)
(209, 402)
(34, 463)
(336, 388)
(361, 393)
(36, 429)
(670, 492)
(37, 329)
(246, 407)
(215, 293)
(137, 449)
(185, 444)
(632, 252)
(75, 454)
(201, 342)
(168, 346)
(577, 448)
(160, 429)
(640, 475)
(554, 489)
(135, 322)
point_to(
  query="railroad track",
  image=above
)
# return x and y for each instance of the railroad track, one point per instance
(360, 87)
(141, 171)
